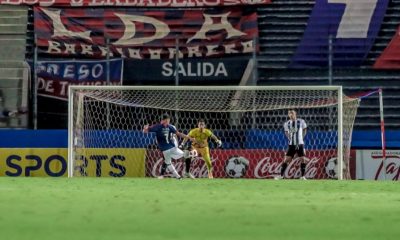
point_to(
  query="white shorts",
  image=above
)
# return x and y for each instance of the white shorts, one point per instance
(173, 153)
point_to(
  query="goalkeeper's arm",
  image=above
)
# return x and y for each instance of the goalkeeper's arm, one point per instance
(216, 140)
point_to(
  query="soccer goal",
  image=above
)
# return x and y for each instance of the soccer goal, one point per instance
(106, 122)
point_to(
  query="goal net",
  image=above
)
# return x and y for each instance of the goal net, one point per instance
(106, 122)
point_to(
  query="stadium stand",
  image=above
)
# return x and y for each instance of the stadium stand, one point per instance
(13, 70)
(282, 25)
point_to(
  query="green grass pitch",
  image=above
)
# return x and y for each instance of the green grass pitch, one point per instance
(79, 208)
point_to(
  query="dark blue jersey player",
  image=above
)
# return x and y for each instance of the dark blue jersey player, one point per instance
(165, 134)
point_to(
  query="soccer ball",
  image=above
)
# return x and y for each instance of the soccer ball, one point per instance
(331, 168)
(193, 153)
(190, 154)
(236, 166)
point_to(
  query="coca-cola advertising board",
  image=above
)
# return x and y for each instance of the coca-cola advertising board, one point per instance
(370, 165)
(251, 163)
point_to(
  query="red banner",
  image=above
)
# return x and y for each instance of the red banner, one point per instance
(390, 58)
(257, 163)
(135, 3)
(137, 34)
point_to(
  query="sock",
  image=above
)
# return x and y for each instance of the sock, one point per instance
(172, 169)
(163, 169)
(283, 168)
(188, 161)
(303, 169)
(209, 165)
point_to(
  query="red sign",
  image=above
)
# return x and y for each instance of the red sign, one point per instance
(390, 58)
(135, 3)
(257, 163)
(139, 34)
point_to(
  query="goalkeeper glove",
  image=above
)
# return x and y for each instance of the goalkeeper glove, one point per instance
(219, 143)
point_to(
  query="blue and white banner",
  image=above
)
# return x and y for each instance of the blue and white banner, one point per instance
(54, 77)
(353, 26)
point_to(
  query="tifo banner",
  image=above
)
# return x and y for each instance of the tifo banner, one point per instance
(139, 34)
(370, 165)
(54, 77)
(352, 26)
(218, 69)
(255, 163)
(390, 58)
(53, 162)
(135, 3)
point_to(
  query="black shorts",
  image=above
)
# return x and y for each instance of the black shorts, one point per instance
(293, 150)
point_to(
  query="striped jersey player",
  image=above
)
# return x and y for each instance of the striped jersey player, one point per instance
(295, 131)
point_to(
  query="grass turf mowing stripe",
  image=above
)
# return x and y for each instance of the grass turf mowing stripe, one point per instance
(109, 208)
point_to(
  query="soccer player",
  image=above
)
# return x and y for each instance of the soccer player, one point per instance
(295, 131)
(200, 144)
(187, 156)
(165, 134)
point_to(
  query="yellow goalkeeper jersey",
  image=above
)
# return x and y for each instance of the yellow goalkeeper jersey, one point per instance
(201, 137)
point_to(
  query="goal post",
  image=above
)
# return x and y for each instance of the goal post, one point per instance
(105, 123)
(340, 133)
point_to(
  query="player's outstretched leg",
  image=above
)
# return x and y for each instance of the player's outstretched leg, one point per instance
(172, 169)
(187, 173)
(168, 155)
(163, 170)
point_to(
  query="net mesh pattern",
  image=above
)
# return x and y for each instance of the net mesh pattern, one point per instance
(108, 139)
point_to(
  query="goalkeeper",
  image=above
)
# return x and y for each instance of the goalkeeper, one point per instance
(201, 135)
